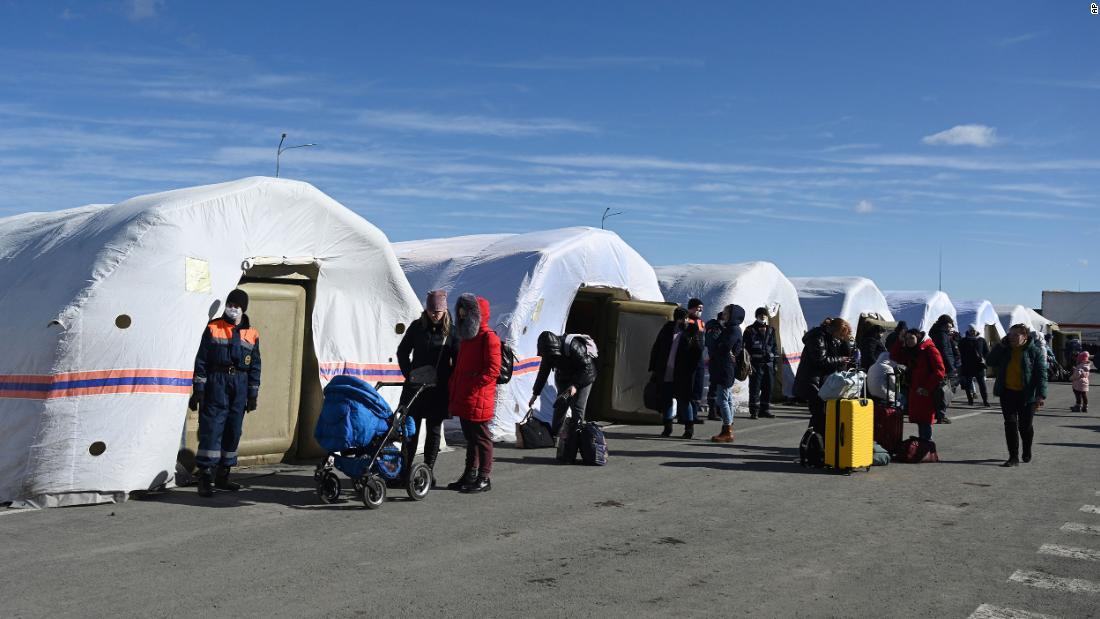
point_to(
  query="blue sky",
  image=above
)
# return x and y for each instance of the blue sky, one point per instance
(832, 138)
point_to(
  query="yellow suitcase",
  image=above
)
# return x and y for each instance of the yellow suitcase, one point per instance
(849, 434)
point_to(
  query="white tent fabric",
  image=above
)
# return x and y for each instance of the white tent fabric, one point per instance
(920, 309)
(530, 281)
(750, 285)
(70, 377)
(847, 297)
(978, 314)
(1015, 314)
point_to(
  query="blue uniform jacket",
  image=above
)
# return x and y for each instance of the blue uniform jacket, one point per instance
(225, 345)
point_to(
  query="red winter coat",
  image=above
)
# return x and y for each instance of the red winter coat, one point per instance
(926, 372)
(473, 383)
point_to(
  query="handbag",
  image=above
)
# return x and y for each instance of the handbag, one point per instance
(844, 385)
(428, 375)
(533, 433)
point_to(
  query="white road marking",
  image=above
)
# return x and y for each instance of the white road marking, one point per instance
(954, 417)
(12, 511)
(988, 611)
(1041, 580)
(1090, 509)
(1077, 527)
(1070, 552)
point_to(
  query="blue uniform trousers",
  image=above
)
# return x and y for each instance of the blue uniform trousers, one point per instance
(221, 418)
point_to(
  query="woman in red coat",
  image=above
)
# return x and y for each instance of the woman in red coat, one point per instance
(473, 389)
(926, 373)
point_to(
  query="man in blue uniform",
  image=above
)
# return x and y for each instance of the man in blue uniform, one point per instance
(226, 383)
(760, 341)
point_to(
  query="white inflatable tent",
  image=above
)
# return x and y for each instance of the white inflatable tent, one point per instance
(982, 316)
(104, 305)
(531, 282)
(846, 297)
(750, 285)
(1015, 314)
(920, 309)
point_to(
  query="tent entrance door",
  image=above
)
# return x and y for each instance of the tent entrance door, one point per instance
(589, 315)
(278, 311)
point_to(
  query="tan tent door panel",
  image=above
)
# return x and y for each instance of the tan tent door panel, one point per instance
(278, 311)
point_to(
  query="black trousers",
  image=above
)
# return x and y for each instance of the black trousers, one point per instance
(434, 437)
(760, 388)
(968, 381)
(1018, 415)
(817, 414)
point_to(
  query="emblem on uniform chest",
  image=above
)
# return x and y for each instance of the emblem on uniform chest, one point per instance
(248, 359)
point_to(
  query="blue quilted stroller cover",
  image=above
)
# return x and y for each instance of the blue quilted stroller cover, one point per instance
(354, 415)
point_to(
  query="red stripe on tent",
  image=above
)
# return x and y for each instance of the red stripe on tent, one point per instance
(95, 382)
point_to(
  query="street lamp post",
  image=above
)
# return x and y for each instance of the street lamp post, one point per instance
(606, 215)
(282, 149)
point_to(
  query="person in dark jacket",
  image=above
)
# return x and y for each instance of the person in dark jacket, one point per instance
(572, 358)
(941, 334)
(1021, 367)
(760, 342)
(473, 390)
(972, 353)
(673, 361)
(712, 331)
(429, 341)
(1071, 349)
(871, 346)
(227, 384)
(725, 353)
(899, 331)
(924, 367)
(828, 348)
(695, 315)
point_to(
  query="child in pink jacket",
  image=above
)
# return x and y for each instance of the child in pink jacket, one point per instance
(1081, 383)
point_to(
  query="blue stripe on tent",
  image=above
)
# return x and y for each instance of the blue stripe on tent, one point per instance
(96, 382)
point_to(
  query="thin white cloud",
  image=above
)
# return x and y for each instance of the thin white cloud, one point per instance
(138, 10)
(864, 206)
(214, 96)
(975, 165)
(843, 147)
(964, 135)
(68, 15)
(1019, 214)
(1023, 38)
(581, 63)
(597, 186)
(1083, 262)
(619, 162)
(471, 125)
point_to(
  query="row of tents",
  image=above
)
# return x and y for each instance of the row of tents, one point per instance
(103, 306)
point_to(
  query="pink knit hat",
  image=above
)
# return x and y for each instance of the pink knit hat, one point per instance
(437, 301)
(1083, 356)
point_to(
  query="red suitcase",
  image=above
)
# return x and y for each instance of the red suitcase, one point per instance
(889, 426)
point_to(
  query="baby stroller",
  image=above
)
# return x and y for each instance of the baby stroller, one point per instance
(359, 431)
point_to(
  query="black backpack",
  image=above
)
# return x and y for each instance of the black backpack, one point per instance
(507, 362)
(568, 442)
(811, 450)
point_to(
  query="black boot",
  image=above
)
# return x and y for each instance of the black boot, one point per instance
(1027, 435)
(667, 432)
(970, 399)
(764, 414)
(689, 430)
(1012, 438)
(480, 484)
(206, 488)
(752, 413)
(221, 482)
(467, 478)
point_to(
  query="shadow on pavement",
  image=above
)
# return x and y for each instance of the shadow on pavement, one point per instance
(530, 459)
(986, 461)
(768, 466)
(1086, 445)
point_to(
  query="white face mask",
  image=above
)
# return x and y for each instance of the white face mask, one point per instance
(234, 314)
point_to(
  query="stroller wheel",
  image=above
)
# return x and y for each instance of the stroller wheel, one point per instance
(420, 482)
(328, 487)
(374, 492)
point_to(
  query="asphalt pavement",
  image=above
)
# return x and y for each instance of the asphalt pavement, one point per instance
(669, 527)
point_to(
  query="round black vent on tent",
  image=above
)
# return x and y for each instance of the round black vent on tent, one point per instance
(123, 321)
(97, 448)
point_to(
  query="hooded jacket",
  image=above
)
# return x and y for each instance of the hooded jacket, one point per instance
(1034, 368)
(870, 349)
(822, 355)
(473, 386)
(926, 371)
(572, 364)
(725, 348)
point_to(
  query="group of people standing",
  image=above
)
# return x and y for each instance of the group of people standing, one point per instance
(686, 350)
